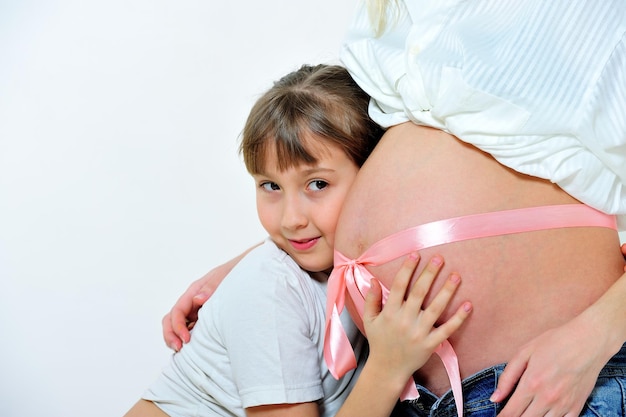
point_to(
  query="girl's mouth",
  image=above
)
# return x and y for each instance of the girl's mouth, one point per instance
(302, 245)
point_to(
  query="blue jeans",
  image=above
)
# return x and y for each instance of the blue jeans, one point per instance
(608, 398)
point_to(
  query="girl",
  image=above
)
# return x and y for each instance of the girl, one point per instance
(257, 348)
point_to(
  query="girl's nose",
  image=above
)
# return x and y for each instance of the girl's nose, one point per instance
(294, 214)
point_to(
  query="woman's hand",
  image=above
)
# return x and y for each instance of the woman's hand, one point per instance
(183, 316)
(554, 373)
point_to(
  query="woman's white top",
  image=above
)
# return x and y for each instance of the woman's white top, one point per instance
(540, 85)
(258, 341)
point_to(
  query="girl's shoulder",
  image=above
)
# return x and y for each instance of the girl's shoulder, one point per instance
(269, 270)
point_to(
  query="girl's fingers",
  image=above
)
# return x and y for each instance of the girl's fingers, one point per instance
(421, 287)
(373, 301)
(406, 301)
(401, 281)
(442, 299)
(444, 331)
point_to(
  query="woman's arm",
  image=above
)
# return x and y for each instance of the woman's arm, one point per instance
(183, 316)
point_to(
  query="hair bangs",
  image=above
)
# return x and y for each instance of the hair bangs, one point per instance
(283, 138)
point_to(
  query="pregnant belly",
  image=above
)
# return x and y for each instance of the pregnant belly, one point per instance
(418, 175)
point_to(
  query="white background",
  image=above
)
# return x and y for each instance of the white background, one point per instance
(119, 177)
(120, 181)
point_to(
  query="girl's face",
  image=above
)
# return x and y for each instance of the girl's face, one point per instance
(299, 207)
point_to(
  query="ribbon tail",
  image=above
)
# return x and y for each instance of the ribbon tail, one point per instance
(338, 352)
(451, 363)
(410, 391)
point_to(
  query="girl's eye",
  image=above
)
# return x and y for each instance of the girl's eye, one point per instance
(270, 186)
(318, 185)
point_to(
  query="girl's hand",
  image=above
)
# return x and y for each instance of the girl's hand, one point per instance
(402, 336)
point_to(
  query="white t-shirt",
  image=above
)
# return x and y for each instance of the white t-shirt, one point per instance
(540, 85)
(258, 341)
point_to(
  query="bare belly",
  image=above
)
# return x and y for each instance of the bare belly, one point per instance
(520, 285)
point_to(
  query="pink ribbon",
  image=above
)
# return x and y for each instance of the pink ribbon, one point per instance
(351, 276)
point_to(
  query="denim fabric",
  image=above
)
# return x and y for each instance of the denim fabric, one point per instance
(608, 399)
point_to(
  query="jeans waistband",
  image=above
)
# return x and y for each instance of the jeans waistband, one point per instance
(478, 388)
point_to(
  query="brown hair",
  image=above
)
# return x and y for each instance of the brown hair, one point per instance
(321, 101)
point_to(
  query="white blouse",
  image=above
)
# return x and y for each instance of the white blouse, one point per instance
(540, 85)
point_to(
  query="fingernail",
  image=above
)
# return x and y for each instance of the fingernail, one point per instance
(467, 307)
(455, 278)
(413, 256)
(494, 396)
(436, 261)
(174, 347)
